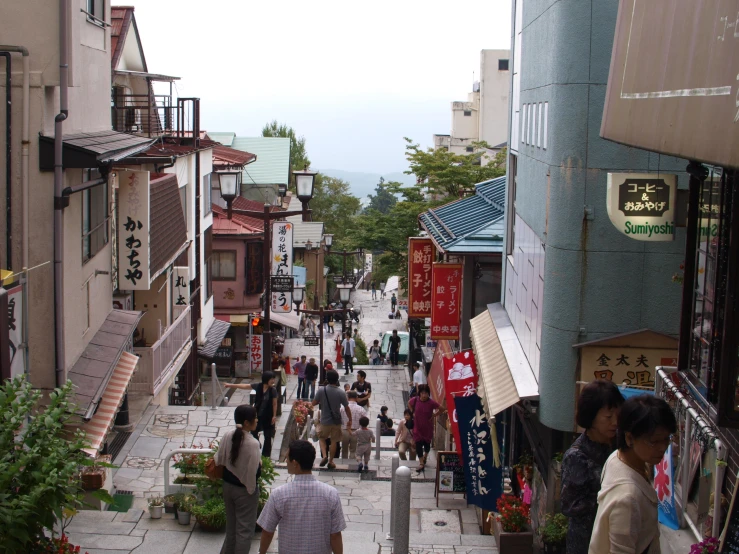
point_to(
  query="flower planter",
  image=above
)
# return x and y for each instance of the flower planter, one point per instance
(554, 548)
(206, 526)
(155, 512)
(183, 518)
(94, 480)
(513, 543)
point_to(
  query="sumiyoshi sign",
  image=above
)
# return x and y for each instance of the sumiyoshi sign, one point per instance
(642, 205)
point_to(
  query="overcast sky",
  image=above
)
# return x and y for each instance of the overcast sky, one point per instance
(353, 78)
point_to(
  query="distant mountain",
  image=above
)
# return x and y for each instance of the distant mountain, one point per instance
(363, 184)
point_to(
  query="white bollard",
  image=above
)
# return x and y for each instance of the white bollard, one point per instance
(401, 524)
(394, 468)
(378, 435)
(213, 393)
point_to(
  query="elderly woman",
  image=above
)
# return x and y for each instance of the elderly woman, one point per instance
(239, 456)
(627, 502)
(597, 413)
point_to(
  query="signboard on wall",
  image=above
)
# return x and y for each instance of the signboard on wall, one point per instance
(436, 373)
(624, 365)
(420, 258)
(460, 379)
(181, 288)
(15, 330)
(446, 293)
(642, 205)
(255, 352)
(673, 85)
(133, 230)
(282, 263)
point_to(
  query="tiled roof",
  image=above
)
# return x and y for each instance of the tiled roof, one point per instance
(91, 149)
(272, 166)
(239, 224)
(120, 19)
(469, 225)
(230, 157)
(226, 139)
(170, 146)
(168, 231)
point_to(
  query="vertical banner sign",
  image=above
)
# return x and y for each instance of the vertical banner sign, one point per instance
(133, 230)
(479, 450)
(367, 263)
(255, 353)
(181, 289)
(436, 373)
(460, 376)
(15, 330)
(282, 263)
(642, 205)
(665, 488)
(420, 256)
(446, 293)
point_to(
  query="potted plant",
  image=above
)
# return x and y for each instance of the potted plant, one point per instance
(170, 503)
(184, 509)
(554, 533)
(156, 505)
(211, 515)
(706, 546)
(511, 526)
(266, 478)
(93, 476)
(526, 462)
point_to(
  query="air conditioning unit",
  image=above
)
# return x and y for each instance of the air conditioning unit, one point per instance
(123, 301)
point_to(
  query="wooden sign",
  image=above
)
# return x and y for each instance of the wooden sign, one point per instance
(449, 474)
(312, 341)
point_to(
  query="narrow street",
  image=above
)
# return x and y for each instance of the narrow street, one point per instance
(451, 528)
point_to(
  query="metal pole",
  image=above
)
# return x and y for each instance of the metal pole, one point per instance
(393, 495)
(320, 355)
(343, 266)
(378, 435)
(248, 347)
(213, 386)
(402, 503)
(267, 270)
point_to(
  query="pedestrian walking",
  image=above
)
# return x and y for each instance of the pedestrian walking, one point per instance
(394, 347)
(374, 353)
(299, 370)
(265, 402)
(337, 347)
(363, 389)
(347, 351)
(307, 512)
(330, 323)
(364, 438)
(393, 302)
(424, 410)
(311, 375)
(348, 436)
(419, 378)
(597, 412)
(386, 424)
(330, 399)
(240, 459)
(626, 520)
(404, 436)
(374, 291)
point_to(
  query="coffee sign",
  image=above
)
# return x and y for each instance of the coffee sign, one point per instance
(642, 205)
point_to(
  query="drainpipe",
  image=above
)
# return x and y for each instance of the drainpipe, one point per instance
(58, 197)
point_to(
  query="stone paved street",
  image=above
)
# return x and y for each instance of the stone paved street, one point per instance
(451, 528)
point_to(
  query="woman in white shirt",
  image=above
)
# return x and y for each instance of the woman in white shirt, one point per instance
(419, 378)
(626, 521)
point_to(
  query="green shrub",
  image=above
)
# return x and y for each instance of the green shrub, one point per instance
(360, 352)
(554, 530)
(266, 478)
(211, 513)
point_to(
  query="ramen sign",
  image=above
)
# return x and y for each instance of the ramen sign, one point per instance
(642, 205)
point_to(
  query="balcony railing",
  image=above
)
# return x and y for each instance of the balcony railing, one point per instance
(142, 114)
(160, 361)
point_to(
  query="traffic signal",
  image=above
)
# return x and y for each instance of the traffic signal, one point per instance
(256, 321)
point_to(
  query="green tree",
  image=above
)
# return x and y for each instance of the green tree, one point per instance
(298, 155)
(446, 174)
(334, 205)
(383, 200)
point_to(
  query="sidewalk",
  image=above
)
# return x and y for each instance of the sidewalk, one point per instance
(450, 529)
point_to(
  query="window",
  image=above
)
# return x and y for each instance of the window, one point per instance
(534, 129)
(207, 200)
(502, 65)
(546, 123)
(223, 265)
(94, 216)
(469, 149)
(541, 116)
(532, 119)
(467, 113)
(96, 12)
(524, 111)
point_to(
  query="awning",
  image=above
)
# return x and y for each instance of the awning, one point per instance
(505, 376)
(290, 319)
(101, 423)
(392, 283)
(94, 368)
(213, 338)
(91, 149)
(146, 75)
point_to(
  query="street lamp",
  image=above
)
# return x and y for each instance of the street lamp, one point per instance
(229, 183)
(282, 190)
(345, 292)
(304, 184)
(298, 295)
(329, 241)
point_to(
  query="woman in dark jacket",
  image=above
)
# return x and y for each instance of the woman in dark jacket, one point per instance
(597, 413)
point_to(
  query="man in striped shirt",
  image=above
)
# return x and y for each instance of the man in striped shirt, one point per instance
(348, 438)
(308, 512)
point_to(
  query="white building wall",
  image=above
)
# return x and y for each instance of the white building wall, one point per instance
(466, 126)
(494, 88)
(515, 104)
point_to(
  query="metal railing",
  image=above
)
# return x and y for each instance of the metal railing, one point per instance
(157, 362)
(169, 486)
(144, 114)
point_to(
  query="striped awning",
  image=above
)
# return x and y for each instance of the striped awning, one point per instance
(101, 423)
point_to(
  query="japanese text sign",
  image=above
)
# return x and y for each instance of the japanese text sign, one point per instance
(624, 365)
(133, 230)
(664, 485)
(460, 379)
(282, 263)
(436, 373)
(642, 205)
(181, 288)
(446, 294)
(255, 352)
(482, 475)
(15, 330)
(420, 257)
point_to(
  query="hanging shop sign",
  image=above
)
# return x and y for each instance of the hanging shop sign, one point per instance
(255, 352)
(624, 365)
(15, 330)
(181, 289)
(642, 205)
(460, 379)
(282, 264)
(311, 341)
(282, 284)
(368, 263)
(664, 485)
(436, 373)
(420, 258)
(446, 293)
(481, 453)
(133, 230)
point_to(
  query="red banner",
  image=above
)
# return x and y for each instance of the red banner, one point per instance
(446, 294)
(460, 376)
(436, 373)
(420, 258)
